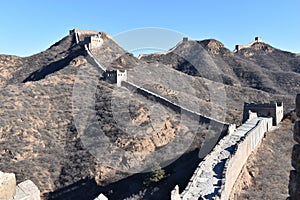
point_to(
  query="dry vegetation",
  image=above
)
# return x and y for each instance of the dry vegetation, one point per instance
(39, 139)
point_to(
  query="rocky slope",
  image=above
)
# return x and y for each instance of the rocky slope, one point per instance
(15, 69)
(48, 98)
(39, 137)
(261, 67)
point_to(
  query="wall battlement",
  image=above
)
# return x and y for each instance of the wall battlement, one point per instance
(256, 40)
(272, 109)
(83, 32)
(92, 40)
(215, 176)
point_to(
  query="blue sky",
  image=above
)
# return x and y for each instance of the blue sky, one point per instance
(30, 26)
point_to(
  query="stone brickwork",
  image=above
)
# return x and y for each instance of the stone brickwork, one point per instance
(121, 76)
(92, 60)
(95, 41)
(215, 176)
(294, 186)
(272, 109)
(26, 190)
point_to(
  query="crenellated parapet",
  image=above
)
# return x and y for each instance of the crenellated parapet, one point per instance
(272, 109)
(216, 175)
(256, 40)
(93, 39)
(83, 32)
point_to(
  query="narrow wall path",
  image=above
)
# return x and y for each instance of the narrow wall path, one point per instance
(266, 175)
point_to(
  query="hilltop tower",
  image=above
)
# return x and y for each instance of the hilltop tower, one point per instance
(94, 41)
(256, 40)
(272, 109)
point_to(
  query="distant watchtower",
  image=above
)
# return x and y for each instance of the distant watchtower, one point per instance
(272, 109)
(258, 39)
(95, 41)
(116, 76)
(185, 39)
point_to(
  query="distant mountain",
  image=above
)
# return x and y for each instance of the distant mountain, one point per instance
(261, 66)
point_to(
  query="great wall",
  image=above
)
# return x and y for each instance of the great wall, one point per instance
(216, 175)
(240, 47)
(133, 87)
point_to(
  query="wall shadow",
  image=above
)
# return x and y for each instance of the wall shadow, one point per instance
(53, 67)
(178, 173)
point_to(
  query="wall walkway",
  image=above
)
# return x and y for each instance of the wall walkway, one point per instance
(217, 173)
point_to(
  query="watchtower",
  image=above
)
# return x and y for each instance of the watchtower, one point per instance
(116, 76)
(258, 39)
(121, 76)
(95, 41)
(272, 109)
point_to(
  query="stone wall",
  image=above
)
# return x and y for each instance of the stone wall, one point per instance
(91, 59)
(26, 190)
(244, 149)
(223, 126)
(95, 41)
(83, 32)
(121, 76)
(239, 47)
(294, 186)
(215, 176)
(76, 38)
(272, 109)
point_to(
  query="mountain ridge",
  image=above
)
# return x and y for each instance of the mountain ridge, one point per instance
(36, 110)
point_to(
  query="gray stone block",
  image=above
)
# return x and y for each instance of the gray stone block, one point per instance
(296, 157)
(294, 186)
(101, 197)
(27, 190)
(297, 131)
(7, 185)
(298, 105)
